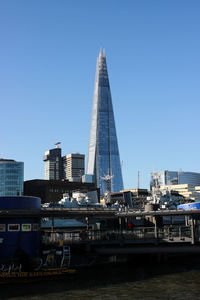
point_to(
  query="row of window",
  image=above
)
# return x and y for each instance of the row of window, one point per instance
(16, 227)
(11, 187)
(11, 193)
(58, 191)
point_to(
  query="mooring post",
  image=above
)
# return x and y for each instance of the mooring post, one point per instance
(155, 228)
(87, 223)
(192, 231)
(52, 228)
(120, 226)
(126, 221)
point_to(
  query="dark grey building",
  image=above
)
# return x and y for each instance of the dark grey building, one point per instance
(53, 163)
(52, 191)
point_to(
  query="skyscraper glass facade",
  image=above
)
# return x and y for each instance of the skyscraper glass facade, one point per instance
(174, 177)
(103, 153)
(11, 178)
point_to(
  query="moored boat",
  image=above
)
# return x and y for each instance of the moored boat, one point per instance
(7, 277)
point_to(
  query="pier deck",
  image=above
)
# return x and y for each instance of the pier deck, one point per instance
(150, 239)
(69, 213)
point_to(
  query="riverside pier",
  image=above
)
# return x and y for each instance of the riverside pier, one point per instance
(159, 232)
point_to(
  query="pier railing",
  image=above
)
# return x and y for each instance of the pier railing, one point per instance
(136, 235)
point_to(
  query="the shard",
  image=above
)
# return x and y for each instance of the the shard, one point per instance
(103, 153)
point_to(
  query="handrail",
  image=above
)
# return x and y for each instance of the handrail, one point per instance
(138, 233)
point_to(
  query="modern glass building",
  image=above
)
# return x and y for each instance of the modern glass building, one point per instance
(103, 153)
(174, 177)
(11, 177)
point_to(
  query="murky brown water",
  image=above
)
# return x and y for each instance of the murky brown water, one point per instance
(125, 281)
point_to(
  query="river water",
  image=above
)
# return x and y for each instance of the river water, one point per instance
(167, 280)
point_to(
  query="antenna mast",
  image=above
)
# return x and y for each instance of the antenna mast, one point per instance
(138, 180)
(57, 144)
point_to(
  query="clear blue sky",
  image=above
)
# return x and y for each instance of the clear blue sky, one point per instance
(47, 67)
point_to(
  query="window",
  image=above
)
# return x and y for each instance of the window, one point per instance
(26, 227)
(2, 227)
(35, 227)
(13, 227)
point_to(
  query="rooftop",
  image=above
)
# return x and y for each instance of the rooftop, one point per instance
(3, 159)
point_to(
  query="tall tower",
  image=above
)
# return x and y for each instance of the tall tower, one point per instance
(74, 166)
(53, 163)
(103, 152)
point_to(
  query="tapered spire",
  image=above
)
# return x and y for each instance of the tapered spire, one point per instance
(100, 53)
(103, 153)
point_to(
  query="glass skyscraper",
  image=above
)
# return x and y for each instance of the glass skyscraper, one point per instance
(11, 177)
(166, 177)
(103, 153)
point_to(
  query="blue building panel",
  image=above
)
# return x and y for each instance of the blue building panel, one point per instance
(19, 235)
(189, 206)
(20, 202)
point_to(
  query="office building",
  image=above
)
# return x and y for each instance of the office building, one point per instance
(166, 177)
(74, 166)
(188, 191)
(103, 153)
(69, 167)
(53, 164)
(11, 177)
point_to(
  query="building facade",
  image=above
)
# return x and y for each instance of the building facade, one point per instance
(188, 191)
(103, 153)
(166, 177)
(11, 177)
(53, 164)
(74, 166)
(51, 191)
(69, 167)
